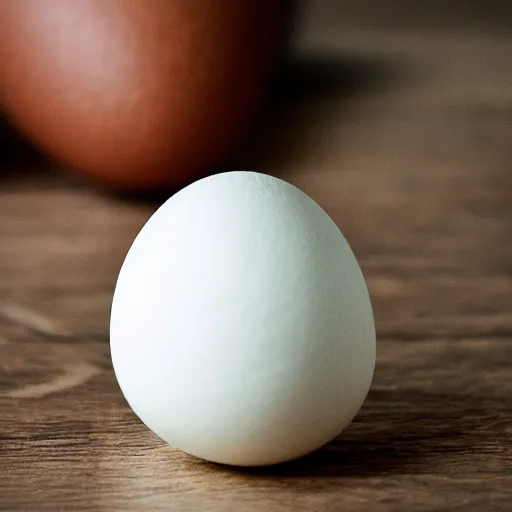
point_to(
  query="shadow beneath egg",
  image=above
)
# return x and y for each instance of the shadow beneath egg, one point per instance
(22, 166)
(328, 76)
(15, 151)
(387, 437)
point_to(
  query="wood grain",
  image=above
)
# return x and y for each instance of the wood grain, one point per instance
(405, 139)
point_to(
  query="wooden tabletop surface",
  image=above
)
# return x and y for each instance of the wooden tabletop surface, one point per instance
(404, 137)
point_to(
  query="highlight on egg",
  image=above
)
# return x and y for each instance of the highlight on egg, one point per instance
(242, 330)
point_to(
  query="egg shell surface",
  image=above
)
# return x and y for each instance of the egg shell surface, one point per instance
(241, 329)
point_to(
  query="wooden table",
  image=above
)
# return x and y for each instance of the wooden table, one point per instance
(405, 138)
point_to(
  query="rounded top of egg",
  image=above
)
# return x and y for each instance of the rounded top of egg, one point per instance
(242, 330)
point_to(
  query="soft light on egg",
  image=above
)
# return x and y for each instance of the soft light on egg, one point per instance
(242, 330)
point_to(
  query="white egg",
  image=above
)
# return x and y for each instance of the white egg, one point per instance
(242, 330)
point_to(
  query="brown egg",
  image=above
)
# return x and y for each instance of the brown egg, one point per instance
(136, 94)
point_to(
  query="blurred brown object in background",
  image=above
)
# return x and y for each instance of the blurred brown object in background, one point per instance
(138, 95)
